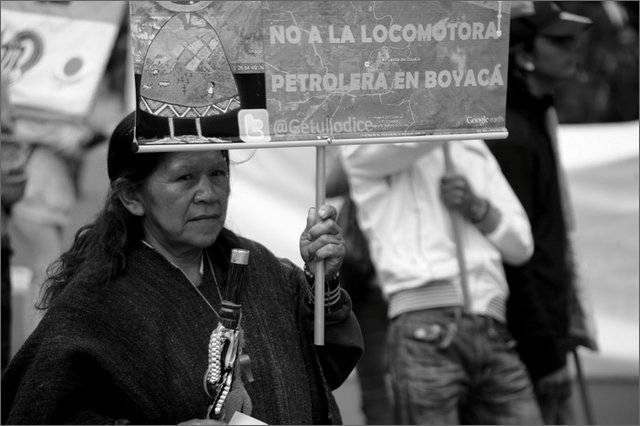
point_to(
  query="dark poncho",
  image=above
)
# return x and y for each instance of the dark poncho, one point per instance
(135, 349)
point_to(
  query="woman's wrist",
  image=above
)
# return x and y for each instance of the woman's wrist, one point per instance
(332, 290)
(330, 282)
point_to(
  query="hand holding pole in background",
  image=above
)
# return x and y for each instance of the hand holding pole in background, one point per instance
(457, 194)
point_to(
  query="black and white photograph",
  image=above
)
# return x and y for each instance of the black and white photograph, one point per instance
(396, 212)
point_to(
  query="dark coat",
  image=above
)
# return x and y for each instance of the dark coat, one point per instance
(538, 305)
(135, 349)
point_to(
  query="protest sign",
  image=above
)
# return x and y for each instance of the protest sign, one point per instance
(54, 54)
(281, 73)
(370, 69)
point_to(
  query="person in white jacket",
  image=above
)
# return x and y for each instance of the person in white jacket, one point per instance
(451, 361)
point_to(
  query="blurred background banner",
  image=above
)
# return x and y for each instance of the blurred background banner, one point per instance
(55, 53)
(376, 69)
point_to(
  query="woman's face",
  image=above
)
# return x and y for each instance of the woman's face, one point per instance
(185, 200)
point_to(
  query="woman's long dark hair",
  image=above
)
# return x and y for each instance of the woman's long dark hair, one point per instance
(100, 249)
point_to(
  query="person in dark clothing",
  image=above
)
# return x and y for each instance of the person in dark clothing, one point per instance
(134, 307)
(542, 56)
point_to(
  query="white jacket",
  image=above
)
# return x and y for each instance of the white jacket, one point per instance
(397, 190)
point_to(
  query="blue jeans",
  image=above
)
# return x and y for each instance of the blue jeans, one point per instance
(448, 368)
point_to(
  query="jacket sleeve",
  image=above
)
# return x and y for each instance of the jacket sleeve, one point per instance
(343, 343)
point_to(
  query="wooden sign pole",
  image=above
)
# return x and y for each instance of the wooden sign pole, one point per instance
(318, 312)
(457, 235)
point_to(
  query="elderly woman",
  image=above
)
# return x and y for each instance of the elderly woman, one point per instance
(132, 305)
